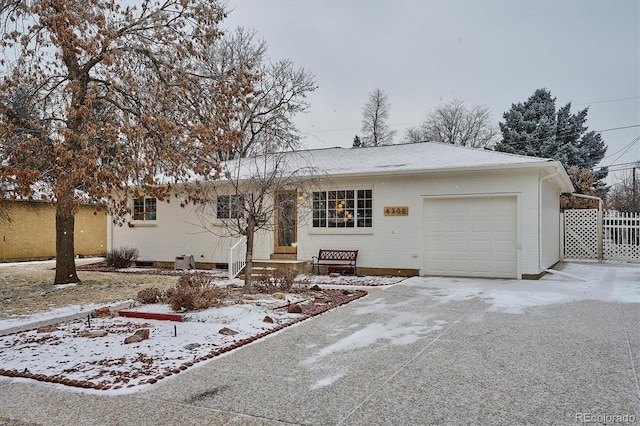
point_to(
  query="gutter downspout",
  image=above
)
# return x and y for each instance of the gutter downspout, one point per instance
(540, 268)
(599, 222)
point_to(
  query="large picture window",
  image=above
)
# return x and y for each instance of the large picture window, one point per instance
(230, 206)
(144, 209)
(343, 209)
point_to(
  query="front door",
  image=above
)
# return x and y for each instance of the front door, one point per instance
(286, 222)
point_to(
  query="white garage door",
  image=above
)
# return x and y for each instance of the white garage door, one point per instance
(471, 237)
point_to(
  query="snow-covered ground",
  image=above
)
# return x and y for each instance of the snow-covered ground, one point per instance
(607, 282)
(64, 352)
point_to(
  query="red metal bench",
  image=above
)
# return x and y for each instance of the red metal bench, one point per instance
(335, 260)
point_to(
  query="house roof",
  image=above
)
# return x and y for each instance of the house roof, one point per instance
(411, 157)
(425, 157)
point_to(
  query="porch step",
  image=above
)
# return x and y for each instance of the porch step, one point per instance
(259, 272)
(283, 256)
(270, 265)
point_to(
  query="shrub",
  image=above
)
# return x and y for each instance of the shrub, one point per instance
(281, 280)
(193, 292)
(122, 257)
(150, 295)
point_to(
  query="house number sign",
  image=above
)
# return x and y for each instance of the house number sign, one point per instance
(396, 211)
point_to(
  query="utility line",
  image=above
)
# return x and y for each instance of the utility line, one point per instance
(628, 148)
(608, 100)
(621, 149)
(618, 128)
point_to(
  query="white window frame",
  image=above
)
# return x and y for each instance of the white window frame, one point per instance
(232, 208)
(354, 210)
(146, 214)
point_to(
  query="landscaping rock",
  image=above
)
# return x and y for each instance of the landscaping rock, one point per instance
(192, 346)
(334, 275)
(143, 332)
(132, 339)
(268, 319)
(279, 296)
(138, 336)
(101, 313)
(227, 331)
(47, 329)
(321, 300)
(95, 333)
(294, 309)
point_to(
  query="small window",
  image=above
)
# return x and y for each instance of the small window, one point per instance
(230, 207)
(343, 209)
(144, 209)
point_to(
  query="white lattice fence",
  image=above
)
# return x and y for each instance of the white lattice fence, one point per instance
(621, 236)
(581, 234)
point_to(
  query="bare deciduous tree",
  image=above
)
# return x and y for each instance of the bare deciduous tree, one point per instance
(624, 195)
(374, 120)
(110, 101)
(456, 124)
(260, 193)
(280, 90)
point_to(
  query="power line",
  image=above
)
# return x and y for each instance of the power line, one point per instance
(609, 100)
(623, 148)
(628, 148)
(619, 169)
(618, 128)
(625, 164)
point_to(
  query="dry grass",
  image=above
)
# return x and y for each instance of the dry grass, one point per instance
(28, 288)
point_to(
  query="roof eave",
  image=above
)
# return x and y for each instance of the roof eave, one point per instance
(461, 169)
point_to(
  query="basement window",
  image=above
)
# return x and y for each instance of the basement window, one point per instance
(144, 209)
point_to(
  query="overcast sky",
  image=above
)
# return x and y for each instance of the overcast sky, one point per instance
(425, 53)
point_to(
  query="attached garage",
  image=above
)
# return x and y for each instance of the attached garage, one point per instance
(471, 236)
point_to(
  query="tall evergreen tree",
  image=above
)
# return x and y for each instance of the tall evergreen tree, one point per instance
(535, 128)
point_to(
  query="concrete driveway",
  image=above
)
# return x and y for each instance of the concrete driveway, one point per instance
(426, 351)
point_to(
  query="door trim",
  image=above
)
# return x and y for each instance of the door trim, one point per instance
(285, 249)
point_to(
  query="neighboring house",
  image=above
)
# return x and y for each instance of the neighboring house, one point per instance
(30, 231)
(425, 208)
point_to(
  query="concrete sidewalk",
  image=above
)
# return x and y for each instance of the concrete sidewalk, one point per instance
(396, 357)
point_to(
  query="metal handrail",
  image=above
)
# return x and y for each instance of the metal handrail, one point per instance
(237, 257)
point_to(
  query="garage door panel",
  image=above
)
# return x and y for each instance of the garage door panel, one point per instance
(458, 246)
(503, 247)
(473, 236)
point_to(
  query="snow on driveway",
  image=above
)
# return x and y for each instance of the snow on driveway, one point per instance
(608, 282)
(397, 324)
